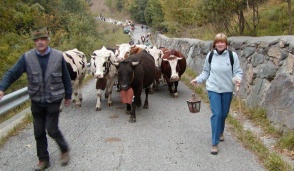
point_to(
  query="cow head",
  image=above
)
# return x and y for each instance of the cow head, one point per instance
(125, 73)
(171, 64)
(100, 62)
(122, 51)
(135, 49)
(157, 54)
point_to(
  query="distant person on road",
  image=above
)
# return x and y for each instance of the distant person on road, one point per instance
(218, 74)
(142, 27)
(131, 42)
(48, 83)
(147, 43)
(138, 42)
(146, 28)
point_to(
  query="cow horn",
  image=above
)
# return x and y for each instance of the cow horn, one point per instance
(135, 63)
(114, 63)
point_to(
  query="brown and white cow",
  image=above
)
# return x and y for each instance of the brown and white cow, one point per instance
(105, 73)
(122, 51)
(76, 63)
(136, 73)
(173, 65)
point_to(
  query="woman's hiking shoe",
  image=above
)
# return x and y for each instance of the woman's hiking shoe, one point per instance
(214, 150)
(64, 158)
(42, 165)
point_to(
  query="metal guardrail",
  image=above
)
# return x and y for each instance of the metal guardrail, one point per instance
(13, 100)
(17, 98)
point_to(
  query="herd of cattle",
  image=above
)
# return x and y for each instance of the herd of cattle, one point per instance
(133, 67)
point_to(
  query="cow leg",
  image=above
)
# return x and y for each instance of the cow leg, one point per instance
(146, 104)
(106, 93)
(80, 95)
(170, 85)
(139, 102)
(128, 110)
(176, 89)
(109, 92)
(156, 84)
(133, 113)
(76, 92)
(98, 103)
(152, 89)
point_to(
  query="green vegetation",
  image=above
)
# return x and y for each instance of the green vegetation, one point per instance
(203, 18)
(72, 27)
(70, 22)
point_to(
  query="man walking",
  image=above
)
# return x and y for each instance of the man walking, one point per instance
(48, 83)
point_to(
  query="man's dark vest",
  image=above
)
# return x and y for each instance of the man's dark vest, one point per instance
(49, 89)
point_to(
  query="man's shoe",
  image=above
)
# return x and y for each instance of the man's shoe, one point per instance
(42, 165)
(214, 150)
(64, 158)
(222, 138)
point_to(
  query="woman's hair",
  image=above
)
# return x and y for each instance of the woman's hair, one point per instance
(220, 37)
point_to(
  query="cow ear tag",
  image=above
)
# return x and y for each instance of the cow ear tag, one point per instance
(127, 96)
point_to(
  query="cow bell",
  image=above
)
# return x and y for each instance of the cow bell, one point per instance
(194, 104)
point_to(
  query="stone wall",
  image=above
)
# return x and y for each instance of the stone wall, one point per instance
(267, 63)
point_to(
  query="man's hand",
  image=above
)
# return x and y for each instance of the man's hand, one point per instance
(1, 94)
(67, 102)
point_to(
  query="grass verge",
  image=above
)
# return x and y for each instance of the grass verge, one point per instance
(28, 119)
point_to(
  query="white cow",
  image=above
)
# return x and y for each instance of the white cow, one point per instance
(157, 55)
(76, 63)
(105, 73)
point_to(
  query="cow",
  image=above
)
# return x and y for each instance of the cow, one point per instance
(105, 74)
(157, 54)
(136, 73)
(76, 63)
(122, 51)
(136, 49)
(173, 65)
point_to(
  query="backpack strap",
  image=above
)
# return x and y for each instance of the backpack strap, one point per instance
(210, 57)
(231, 58)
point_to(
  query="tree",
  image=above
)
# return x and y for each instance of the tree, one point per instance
(154, 14)
(137, 9)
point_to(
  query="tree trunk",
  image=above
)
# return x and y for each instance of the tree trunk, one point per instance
(255, 18)
(290, 17)
(241, 22)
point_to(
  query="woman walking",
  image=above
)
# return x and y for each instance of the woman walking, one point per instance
(222, 72)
